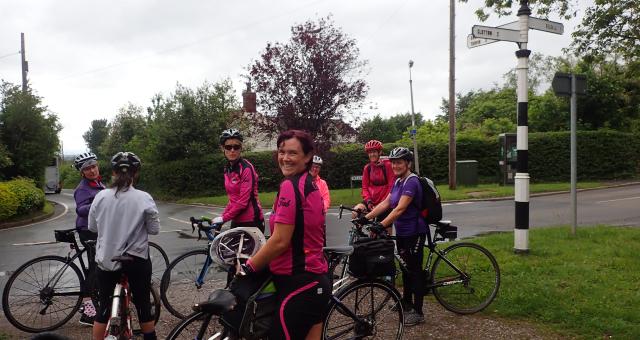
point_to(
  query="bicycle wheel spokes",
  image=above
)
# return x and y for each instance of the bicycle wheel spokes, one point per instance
(473, 291)
(178, 288)
(34, 301)
(198, 326)
(372, 302)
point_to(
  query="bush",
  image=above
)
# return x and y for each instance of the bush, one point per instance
(19, 196)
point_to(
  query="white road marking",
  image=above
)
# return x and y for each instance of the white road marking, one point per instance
(172, 231)
(195, 205)
(620, 199)
(66, 209)
(66, 194)
(178, 220)
(34, 243)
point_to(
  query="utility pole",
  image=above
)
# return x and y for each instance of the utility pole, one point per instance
(413, 123)
(452, 94)
(25, 64)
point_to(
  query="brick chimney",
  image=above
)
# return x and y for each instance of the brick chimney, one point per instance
(248, 99)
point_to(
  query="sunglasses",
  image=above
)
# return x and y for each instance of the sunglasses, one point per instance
(230, 147)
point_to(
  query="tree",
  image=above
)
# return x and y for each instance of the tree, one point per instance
(127, 124)
(311, 82)
(29, 134)
(96, 135)
(378, 128)
(609, 27)
(187, 122)
(402, 122)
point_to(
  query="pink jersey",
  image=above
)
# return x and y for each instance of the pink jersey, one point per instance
(303, 209)
(241, 184)
(324, 192)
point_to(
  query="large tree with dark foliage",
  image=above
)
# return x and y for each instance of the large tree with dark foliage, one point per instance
(96, 135)
(311, 82)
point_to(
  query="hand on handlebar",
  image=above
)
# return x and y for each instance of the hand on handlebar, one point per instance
(369, 204)
(362, 220)
(378, 230)
(217, 220)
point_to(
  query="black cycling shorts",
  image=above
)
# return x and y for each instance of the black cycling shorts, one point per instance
(302, 303)
(138, 274)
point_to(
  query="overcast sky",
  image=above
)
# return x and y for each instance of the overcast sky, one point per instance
(87, 59)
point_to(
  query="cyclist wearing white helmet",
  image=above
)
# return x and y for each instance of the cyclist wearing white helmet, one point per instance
(241, 184)
(411, 229)
(293, 253)
(90, 185)
(124, 217)
(316, 164)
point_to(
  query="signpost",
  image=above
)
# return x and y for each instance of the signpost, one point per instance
(518, 32)
(354, 178)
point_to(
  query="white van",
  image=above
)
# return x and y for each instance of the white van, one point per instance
(52, 177)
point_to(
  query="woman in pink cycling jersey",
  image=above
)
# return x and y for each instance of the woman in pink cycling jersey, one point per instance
(321, 183)
(241, 183)
(293, 253)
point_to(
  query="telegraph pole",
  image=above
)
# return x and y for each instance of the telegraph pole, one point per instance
(25, 65)
(413, 123)
(452, 95)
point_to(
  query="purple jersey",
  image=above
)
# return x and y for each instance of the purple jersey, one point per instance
(303, 209)
(410, 223)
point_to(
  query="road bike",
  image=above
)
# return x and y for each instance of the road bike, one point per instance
(120, 325)
(192, 276)
(464, 277)
(366, 308)
(44, 293)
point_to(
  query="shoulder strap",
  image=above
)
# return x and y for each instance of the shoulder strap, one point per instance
(384, 171)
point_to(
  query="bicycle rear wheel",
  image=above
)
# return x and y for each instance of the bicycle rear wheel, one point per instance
(159, 262)
(198, 325)
(377, 306)
(473, 291)
(178, 289)
(32, 305)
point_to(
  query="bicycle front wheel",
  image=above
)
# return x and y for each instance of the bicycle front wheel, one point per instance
(367, 309)
(34, 301)
(475, 288)
(159, 262)
(155, 311)
(179, 291)
(198, 325)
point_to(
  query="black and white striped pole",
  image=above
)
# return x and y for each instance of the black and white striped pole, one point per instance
(518, 32)
(521, 232)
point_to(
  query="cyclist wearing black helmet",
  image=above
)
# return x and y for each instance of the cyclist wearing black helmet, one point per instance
(124, 217)
(410, 228)
(87, 189)
(241, 184)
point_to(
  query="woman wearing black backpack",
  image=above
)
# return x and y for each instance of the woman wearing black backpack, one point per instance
(404, 200)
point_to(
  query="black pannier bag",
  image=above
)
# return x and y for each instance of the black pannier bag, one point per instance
(372, 258)
(253, 315)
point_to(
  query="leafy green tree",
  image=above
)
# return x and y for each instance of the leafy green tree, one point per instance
(187, 122)
(128, 123)
(402, 122)
(310, 82)
(377, 128)
(29, 134)
(96, 135)
(548, 112)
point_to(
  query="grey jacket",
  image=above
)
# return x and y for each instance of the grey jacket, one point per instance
(123, 224)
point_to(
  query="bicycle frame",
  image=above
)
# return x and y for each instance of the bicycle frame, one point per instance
(207, 263)
(120, 293)
(58, 275)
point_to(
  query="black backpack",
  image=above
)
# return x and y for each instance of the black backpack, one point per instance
(431, 205)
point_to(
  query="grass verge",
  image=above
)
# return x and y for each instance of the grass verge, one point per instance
(350, 198)
(584, 285)
(47, 209)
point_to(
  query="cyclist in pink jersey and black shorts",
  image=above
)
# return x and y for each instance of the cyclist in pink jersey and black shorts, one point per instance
(293, 253)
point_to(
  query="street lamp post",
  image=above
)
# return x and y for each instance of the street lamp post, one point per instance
(413, 122)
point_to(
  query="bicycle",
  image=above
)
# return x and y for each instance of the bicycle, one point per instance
(44, 293)
(119, 325)
(365, 308)
(189, 270)
(464, 277)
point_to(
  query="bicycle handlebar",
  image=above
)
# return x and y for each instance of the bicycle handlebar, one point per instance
(358, 211)
(211, 230)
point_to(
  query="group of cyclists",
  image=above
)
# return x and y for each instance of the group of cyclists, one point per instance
(120, 217)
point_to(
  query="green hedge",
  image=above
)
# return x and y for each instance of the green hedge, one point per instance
(601, 155)
(18, 197)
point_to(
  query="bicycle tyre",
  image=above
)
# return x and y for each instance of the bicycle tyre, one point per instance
(155, 305)
(198, 325)
(71, 283)
(159, 262)
(178, 289)
(473, 294)
(376, 302)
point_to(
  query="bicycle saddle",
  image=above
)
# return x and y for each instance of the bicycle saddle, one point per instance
(338, 250)
(121, 258)
(220, 301)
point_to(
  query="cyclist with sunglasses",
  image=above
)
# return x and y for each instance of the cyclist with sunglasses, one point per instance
(241, 184)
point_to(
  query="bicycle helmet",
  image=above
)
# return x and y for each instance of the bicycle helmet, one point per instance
(83, 158)
(124, 161)
(224, 248)
(229, 134)
(317, 160)
(373, 145)
(401, 153)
